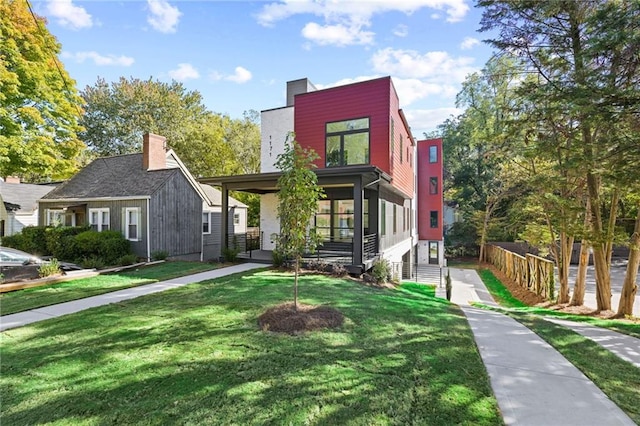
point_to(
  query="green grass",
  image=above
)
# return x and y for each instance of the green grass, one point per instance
(195, 355)
(414, 288)
(37, 297)
(617, 378)
(499, 292)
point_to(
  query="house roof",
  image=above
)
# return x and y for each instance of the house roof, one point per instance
(24, 195)
(114, 177)
(215, 196)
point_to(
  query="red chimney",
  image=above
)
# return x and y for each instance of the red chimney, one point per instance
(154, 152)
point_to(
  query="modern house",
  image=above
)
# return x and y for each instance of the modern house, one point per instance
(150, 197)
(367, 166)
(20, 202)
(430, 202)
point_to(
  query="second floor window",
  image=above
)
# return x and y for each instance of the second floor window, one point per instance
(433, 185)
(347, 142)
(433, 154)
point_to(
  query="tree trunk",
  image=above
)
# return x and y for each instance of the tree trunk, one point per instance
(577, 299)
(483, 236)
(603, 279)
(295, 284)
(615, 197)
(566, 249)
(630, 288)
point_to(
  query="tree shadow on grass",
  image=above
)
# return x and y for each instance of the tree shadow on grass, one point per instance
(196, 355)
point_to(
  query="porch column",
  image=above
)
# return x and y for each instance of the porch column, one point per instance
(358, 229)
(224, 217)
(374, 225)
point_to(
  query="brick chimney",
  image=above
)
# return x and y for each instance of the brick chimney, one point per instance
(154, 152)
(12, 179)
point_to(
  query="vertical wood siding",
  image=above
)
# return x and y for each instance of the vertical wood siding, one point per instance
(176, 218)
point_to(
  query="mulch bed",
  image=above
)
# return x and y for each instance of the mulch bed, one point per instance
(285, 318)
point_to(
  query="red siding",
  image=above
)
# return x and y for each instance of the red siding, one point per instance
(428, 202)
(375, 99)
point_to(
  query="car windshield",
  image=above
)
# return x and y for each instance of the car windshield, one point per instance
(12, 257)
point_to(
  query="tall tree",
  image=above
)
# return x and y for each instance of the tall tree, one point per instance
(210, 144)
(581, 67)
(39, 103)
(298, 201)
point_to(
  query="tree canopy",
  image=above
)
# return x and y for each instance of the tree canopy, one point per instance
(39, 102)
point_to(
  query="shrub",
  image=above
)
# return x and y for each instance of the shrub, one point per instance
(34, 240)
(109, 246)
(230, 254)
(279, 259)
(128, 259)
(338, 270)
(52, 267)
(61, 242)
(159, 255)
(317, 265)
(15, 241)
(381, 271)
(448, 285)
(92, 262)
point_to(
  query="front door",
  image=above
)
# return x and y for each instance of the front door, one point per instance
(433, 253)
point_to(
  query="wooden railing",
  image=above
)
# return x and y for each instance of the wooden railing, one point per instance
(531, 272)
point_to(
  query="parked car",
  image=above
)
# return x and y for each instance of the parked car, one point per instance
(16, 265)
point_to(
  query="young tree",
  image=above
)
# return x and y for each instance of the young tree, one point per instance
(39, 103)
(298, 202)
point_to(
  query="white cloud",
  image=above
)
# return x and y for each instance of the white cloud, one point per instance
(69, 15)
(401, 31)
(436, 66)
(338, 35)
(184, 72)
(163, 17)
(332, 10)
(468, 43)
(427, 120)
(241, 75)
(100, 60)
(411, 90)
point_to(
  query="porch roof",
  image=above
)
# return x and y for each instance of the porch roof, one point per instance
(263, 183)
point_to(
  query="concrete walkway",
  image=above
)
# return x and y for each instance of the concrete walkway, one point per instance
(27, 317)
(533, 383)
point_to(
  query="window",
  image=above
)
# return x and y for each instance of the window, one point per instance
(99, 219)
(206, 222)
(347, 142)
(433, 185)
(236, 218)
(383, 216)
(60, 217)
(395, 219)
(433, 218)
(132, 223)
(433, 154)
(335, 219)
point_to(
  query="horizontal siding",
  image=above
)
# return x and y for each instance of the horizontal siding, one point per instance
(402, 168)
(367, 99)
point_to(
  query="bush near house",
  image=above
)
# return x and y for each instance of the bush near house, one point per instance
(72, 244)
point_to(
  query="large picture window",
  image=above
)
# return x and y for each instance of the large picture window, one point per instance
(347, 142)
(335, 219)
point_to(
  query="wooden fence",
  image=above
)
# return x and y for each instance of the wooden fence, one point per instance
(531, 272)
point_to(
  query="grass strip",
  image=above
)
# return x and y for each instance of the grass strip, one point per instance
(617, 378)
(195, 355)
(37, 297)
(499, 292)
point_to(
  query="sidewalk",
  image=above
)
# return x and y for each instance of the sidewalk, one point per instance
(27, 317)
(533, 383)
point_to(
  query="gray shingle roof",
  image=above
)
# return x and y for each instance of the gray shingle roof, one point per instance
(216, 197)
(119, 176)
(25, 195)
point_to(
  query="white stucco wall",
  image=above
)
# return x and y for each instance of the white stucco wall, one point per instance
(269, 223)
(275, 125)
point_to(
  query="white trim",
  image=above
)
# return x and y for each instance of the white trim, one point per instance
(148, 233)
(208, 223)
(100, 211)
(137, 211)
(75, 200)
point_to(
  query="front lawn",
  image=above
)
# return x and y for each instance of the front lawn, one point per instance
(37, 297)
(195, 355)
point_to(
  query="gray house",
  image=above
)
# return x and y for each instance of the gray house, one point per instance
(20, 204)
(150, 197)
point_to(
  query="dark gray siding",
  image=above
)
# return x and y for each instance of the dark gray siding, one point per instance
(212, 240)
(176, 219)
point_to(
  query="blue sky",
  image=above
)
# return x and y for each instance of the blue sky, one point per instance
(240, 54)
